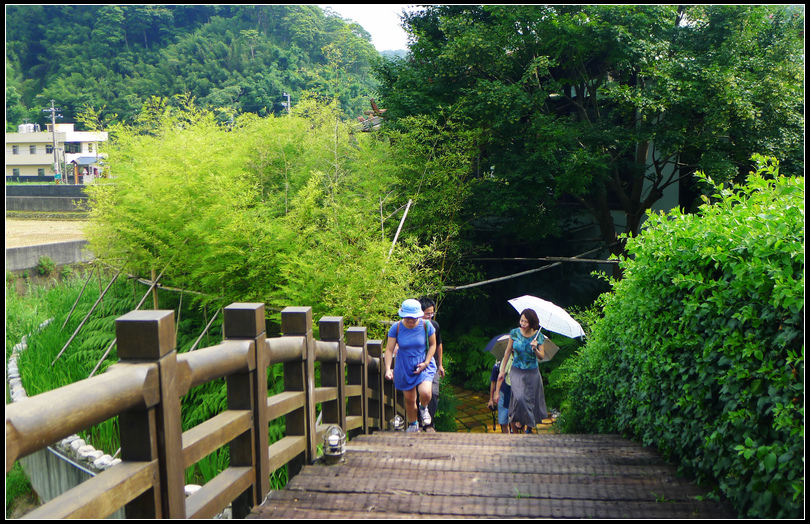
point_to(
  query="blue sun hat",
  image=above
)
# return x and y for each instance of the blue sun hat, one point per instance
(411, 308)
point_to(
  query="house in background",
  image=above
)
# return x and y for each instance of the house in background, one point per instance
(30, 154)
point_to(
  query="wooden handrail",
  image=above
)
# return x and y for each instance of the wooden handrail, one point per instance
(49, 417)
(144, 391)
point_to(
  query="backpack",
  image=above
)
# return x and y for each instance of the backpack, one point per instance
(427, 338)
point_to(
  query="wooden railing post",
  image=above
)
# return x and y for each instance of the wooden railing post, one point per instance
(300, 376)
(333, 374)
(358, 406)
(154, 433)
(248, 391)
(390, 405)
(375, 383)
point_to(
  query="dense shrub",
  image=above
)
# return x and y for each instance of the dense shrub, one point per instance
(700, 351)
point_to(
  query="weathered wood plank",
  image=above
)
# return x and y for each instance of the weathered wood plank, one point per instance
(285, 449)
(205, 438)
(282, 403)
(102, 495)
(217, 493)
(405, 505)
(458, 475)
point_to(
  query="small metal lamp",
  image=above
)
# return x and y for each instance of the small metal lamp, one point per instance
(334, 445)
(397, 423)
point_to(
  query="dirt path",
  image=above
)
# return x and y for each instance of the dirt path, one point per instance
(21, 233)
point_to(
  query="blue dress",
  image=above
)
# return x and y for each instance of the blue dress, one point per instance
(412, 351)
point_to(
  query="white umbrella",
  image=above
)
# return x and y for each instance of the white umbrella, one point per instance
(552, 317)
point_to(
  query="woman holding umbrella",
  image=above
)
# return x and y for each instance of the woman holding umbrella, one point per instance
(528, 402)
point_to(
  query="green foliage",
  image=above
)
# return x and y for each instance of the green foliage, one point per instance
(471, 365)
(45, 266)
(233, 59)
(18, 489)
(700, 351)
(605, 104)
(445, 420)
(283, 211)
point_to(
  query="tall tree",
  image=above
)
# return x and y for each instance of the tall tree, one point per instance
(608, 105)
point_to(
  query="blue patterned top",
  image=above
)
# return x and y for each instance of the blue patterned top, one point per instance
(522, 349)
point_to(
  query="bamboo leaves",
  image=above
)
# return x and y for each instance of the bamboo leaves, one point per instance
(281, 211)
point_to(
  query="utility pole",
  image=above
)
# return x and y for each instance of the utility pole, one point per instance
(52, 110)
(287, 104)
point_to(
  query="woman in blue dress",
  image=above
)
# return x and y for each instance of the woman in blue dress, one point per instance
(528, 403)
(414, 368)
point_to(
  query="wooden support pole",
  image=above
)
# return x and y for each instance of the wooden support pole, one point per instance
(154, 290)
(333, 372)
(204, 331)
(376, 400)
(90, 273)
(154, 433)
(86, 317)
(357, 337)
(300, 376)
(248, 391)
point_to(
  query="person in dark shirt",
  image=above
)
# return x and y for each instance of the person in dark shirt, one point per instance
(429, 310)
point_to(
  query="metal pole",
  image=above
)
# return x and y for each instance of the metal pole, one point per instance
(405, 214)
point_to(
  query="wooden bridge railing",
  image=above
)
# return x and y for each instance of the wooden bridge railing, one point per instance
(144, 390)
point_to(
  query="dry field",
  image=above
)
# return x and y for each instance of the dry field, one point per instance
(21, 233)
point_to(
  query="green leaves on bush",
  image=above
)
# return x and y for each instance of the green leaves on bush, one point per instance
(700, 351)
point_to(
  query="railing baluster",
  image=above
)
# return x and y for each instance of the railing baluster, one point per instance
(248, 391)
(300, 376)
(375, 383)
(358, 406)
(151, 431)
(333, 373)
(154, 433)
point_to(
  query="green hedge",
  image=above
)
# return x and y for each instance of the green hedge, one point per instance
(701, 347)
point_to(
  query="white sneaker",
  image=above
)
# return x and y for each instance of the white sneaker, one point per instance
(412, 428)
(424, 415)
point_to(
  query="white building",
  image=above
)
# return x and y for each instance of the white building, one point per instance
(30, 157)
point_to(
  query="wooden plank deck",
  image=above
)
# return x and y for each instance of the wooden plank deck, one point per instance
(476, 475)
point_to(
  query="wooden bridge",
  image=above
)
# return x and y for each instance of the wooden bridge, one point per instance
(479, 475)
(384, 473)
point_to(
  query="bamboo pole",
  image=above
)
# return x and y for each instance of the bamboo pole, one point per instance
(98, 364)
(177, 324)
(552, 259)
(77, 299)
(204, 331)
(154, 290)
(109, 348)
(405, 214)
(86, 317)
(523, 273)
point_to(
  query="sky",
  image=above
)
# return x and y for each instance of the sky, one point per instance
(380, 20)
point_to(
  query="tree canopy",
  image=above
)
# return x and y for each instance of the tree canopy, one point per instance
(232, 59)
(605, 105)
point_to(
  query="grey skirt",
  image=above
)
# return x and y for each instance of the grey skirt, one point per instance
(528, 403)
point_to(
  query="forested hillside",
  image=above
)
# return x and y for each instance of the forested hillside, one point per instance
(231, 59)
